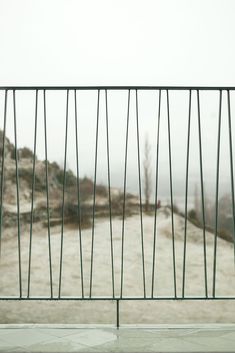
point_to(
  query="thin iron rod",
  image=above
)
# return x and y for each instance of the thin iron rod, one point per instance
(63, 192)
(202, 193)
(124, 194)
(140, 191)
(47, 194)
(231, 168)
(156, 194)
(217, 195)
(134, 299)
(78, 193)
(33, 189)
(186, 194)
(171, 194)
(109, 193)
(17, 194)
(94, 192)
(2, 171)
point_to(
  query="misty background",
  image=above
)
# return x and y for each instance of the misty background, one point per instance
(122, 43)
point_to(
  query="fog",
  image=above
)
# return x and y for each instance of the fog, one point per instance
(122, 43)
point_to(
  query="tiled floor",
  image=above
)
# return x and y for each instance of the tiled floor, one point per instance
(52, 338)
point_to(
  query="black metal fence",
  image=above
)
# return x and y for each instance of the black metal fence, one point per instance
(176, 167)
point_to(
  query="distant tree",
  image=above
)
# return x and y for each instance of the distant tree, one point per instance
(147, 172)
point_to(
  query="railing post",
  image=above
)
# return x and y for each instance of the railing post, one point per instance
(117, 311)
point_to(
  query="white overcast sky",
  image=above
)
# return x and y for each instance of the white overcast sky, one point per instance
(123, 42)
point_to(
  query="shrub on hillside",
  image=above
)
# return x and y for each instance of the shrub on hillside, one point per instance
(25, 152)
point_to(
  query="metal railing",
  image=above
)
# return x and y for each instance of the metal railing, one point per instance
(131, 103)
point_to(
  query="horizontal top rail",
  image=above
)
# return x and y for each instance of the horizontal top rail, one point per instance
(176, 88)
(116, 298)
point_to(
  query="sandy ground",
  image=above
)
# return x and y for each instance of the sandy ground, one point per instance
(130, 312)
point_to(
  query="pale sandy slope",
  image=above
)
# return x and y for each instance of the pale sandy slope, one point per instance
(131, 312)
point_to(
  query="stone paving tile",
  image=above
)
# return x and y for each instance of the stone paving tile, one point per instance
(18, 350)
(123, 345)
(5, 346)
(59, 345)
(59, 332)
(4, 331)
(12, 349)
(178, 345)
(229, 336)
(92, 337)
(158, 333)
(25, 337)
(197, 345)
(208, 333)
(131, 345)
(131, 333)
(214, 344)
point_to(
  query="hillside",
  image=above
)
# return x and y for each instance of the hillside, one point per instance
(73, 211)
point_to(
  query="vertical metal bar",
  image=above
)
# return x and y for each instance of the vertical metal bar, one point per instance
(33, 189)
(63, 194)
(186, 194)
(202, 192)
(156, 195)
(124, 194)
(217, 195)
(78, 194)
(47, 194)
(2, 171)
(231, 167)
(109, 193)
(17, 194)
(94, 192)
(140, 191)
(171, 194)
(118, 314)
